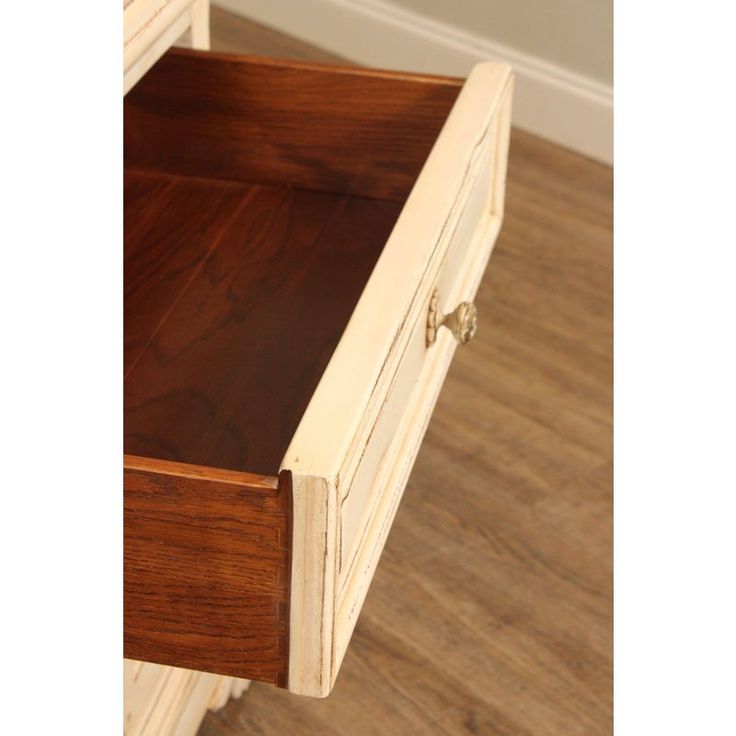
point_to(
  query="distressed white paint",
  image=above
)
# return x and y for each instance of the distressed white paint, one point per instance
(352, 452)
(150, 27)
(170, 701)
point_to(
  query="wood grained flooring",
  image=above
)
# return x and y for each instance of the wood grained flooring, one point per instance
(491, 610)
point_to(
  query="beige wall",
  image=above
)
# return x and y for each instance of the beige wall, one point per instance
(575, 34)
(560, 51)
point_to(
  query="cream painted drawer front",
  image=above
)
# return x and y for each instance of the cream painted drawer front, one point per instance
(355, 446)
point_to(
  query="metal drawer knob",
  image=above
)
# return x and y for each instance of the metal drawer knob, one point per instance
(462, 321)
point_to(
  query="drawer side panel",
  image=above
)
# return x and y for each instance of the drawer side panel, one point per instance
(207, 569)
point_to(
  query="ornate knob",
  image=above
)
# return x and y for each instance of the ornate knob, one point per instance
(462, 321)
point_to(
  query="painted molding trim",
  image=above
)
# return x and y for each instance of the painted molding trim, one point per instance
(552, 102)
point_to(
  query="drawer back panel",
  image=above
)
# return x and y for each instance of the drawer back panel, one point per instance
(335, 129)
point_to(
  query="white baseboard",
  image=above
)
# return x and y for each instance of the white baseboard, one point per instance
(549, 101)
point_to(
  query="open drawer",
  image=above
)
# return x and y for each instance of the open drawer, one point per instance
(294, 236)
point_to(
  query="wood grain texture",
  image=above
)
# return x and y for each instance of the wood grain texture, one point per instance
(207, 569)
(235, 299)
(164, 248)
(491, 610)
(328, 128)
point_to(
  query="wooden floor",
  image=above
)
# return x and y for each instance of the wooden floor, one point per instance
(491, 610)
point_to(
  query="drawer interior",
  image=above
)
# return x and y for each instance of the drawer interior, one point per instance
(258, 198)
(236, 296)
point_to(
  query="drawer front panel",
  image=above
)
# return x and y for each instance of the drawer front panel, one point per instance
(415, 391)
(362, 430)
(476, 224)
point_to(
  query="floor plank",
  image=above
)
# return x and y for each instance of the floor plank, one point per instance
(491, 610)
